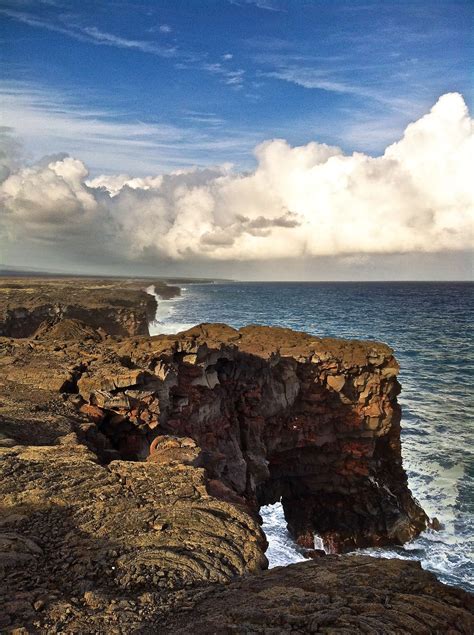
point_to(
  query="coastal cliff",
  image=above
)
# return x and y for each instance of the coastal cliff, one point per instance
(278, 415)
(132, 470)
(114, 306)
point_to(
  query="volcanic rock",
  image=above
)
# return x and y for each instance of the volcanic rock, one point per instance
(278, 415)
(69, 525)
(132, 471)
(116, 306)
(343, 595)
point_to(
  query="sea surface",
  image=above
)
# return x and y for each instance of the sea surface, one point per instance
(431, 328)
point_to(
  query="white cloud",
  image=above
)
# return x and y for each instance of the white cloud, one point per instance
(230, 77)
(48, 122)
(49, 193)
(92, 35)
(329, 81)
(299, 202)
(10, 152)
(50, 201)
(113, 184)
(269, 5)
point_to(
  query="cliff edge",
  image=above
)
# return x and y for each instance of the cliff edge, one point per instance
(277, 415)
(114, 306)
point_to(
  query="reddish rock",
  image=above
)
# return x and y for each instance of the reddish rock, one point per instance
(306, 540)
(119, 546)
(167, 449)
(94, 413)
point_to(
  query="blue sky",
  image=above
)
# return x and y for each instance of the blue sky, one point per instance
(147, 86)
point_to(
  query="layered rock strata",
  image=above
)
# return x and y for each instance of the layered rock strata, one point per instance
(71, 528)
(144, 548)
(336, 595)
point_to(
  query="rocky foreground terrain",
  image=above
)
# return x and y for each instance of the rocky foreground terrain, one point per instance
(133, 468)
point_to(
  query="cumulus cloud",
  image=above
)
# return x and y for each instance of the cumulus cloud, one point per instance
(51, 202)
(113, 184)
(311, 200)
(49, 194)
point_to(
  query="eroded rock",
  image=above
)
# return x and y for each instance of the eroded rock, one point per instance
(343, 595)
(70, 525)
(278, 415)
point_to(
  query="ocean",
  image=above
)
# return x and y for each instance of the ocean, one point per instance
(430, 327)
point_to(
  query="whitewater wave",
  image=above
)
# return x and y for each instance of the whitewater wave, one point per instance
(282, 549)
(163, 324)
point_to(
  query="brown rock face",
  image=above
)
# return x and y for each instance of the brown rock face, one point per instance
(278, 415)
(118, 307)
(75, 533)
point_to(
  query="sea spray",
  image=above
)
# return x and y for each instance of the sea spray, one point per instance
(282, 549)
(163, 322)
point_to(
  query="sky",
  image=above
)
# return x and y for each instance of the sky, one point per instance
(255, 139)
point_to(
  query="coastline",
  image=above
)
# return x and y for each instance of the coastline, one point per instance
(74, 404)
(434, 393)
(162, 324)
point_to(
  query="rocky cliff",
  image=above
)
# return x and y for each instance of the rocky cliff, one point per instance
(278, 415)
(114, 306)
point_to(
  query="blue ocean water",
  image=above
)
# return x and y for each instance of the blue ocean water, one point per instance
(430, 327)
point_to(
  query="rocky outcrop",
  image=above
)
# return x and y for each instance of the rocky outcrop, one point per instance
(278, 415)
(116, 307)
(102, 546)
(144, 548)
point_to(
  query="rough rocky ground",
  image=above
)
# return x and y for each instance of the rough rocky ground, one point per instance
(135, 548)
(337, 595)
(93, 543)
(77, 537)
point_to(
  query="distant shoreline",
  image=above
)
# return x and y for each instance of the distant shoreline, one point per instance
(24, 273)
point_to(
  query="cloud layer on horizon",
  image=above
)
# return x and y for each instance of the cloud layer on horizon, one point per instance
(304, 201)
